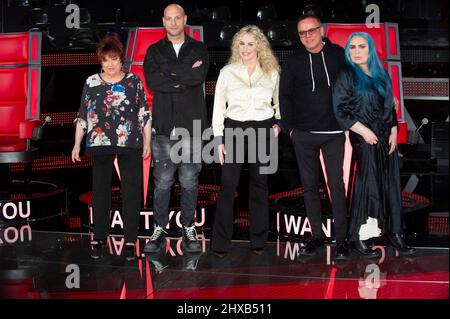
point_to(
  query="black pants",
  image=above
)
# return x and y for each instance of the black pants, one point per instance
(307, 148)
(257, 203)
(130, 166)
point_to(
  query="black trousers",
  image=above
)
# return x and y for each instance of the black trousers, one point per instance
(257, 203)
(130, 166)
(307, 149)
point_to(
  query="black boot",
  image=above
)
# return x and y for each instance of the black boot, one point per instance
(398, 243)
(364, 250)
(342, 251)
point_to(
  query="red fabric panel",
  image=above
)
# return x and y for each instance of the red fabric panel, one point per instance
(339, 33)
(14, 49)
(14, 83)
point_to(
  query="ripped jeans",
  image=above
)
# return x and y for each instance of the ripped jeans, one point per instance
(164, 176)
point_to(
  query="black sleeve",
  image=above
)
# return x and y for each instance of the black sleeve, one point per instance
(343, 100)
(394, 117)
(82, 111)
(188, 76)
(156, 79)
(286, 96)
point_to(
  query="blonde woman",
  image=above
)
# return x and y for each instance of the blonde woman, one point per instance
(246, 97)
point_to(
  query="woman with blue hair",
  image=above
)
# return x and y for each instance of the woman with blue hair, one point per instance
(364, 105)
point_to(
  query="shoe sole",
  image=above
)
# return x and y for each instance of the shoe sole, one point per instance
(342, 258)
(160, 248)
(368, 256)
(309, 254)
(196, 250)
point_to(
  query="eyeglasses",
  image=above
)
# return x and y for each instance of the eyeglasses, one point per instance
(308, 32)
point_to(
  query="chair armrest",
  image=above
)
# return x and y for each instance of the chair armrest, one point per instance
(26, 128)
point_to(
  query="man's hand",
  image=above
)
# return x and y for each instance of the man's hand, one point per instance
(197, 64)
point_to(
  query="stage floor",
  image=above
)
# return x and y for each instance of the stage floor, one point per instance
(50, 265)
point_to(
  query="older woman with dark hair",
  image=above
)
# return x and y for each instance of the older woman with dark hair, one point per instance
(364, 104)
(117, 121)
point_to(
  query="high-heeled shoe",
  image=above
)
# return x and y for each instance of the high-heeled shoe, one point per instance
(399, 244)
(361, 247)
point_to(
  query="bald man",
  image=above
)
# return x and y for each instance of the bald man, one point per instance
(175, 69)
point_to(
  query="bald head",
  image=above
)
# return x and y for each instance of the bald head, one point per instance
(174, 8)
(174, 21)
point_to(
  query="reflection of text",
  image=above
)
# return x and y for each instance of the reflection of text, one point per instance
(12, 235)
(173, 247)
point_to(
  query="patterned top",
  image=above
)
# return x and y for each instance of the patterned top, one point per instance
(113, 115)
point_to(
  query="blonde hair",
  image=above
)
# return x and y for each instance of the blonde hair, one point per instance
(266, 58)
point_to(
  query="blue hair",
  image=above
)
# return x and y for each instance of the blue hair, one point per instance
(379, 78)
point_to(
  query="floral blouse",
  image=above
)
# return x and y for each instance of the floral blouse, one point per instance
(113, 115)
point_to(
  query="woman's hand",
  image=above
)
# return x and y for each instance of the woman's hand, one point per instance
(146, 151)
(370, 137)
(393, 140)
(222, 153)
(276, 129)
(76, 153)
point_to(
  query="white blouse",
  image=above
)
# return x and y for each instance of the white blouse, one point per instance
(241, 97)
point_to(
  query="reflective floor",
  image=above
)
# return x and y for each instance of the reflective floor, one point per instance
(50, 265)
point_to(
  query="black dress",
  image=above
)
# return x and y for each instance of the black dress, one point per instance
(376, 190)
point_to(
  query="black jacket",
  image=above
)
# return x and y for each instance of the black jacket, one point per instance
(306, 82)
(350, 106)
(179, 97)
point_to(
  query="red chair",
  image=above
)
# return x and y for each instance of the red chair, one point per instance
(20, 69)
(20, 73)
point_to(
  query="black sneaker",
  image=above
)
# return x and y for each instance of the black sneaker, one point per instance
(190, 261)
(157, 241)
(312, 246)
(159, 262)
(190, 241)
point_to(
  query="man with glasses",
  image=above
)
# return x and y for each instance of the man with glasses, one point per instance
(307, 116)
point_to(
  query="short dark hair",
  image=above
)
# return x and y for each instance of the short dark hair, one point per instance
(308, 16)
(110, 45)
